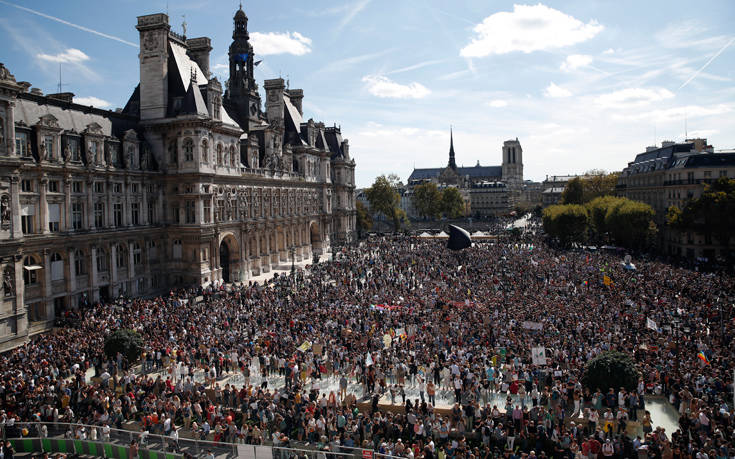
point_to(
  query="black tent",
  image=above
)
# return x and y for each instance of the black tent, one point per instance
(459, 238)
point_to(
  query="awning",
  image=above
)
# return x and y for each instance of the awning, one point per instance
(32, 267)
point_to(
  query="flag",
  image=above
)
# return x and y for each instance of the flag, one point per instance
(703, 358)
(255, 64)
(368, 359)
(651, 324)
(606, 280)
(241, 57)
(304, 347)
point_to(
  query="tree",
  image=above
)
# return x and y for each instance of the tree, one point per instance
(608, 370)
(598, 183)
(713, 213)
(629, 222)
(364, 220)
(127, 342)
(452, 203)
(566, 222)
(427, 200)
(384, 198)
(597, 210)
(574, 192)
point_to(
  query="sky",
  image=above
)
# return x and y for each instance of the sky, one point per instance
(582, 84)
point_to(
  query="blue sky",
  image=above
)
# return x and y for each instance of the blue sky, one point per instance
(582, 84)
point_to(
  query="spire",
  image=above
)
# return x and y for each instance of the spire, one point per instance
(452, 163)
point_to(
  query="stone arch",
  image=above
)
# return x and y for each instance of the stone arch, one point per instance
(229, 258)
(315, 237)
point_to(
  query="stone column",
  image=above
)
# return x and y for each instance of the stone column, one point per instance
(144, 205)
(43, 205)
(113, 269)
(16, 231)
(89, 215)
(66, 223)
(126, 207)
(10, 131)
(131, 265)
(93, 275)
(46, 281)
(71, 278)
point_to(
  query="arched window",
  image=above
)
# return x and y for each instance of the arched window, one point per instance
(233, 158)
(30, 270)
(137, 258)
(80, 267)
(188, 149)
(121, 260)
(57, 267)
(205, 151)
(219, 154)
(102, 264)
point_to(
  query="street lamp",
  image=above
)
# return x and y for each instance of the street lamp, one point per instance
(293, 260)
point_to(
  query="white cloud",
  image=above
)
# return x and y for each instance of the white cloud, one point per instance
(384, 87)
(633, 97)
(70, 56)
(269, 43)
(221, 67)
(498, 103)
(528, 28)
(93, 101)
(676, 114)
(609, 51)
(575, 61)
(552, 90)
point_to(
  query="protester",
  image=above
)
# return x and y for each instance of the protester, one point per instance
(445, 336)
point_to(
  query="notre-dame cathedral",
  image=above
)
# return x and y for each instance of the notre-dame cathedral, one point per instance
(187, 185)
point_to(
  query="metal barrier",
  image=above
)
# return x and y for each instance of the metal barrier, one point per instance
(92, 440)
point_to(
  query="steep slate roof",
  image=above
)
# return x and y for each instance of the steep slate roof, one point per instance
(706, 160)
(334, 141)
(292, 124)
(71, 117)
(473, 172)
(194, 102)
(185, 66)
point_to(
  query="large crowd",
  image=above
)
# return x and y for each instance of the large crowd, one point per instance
(457, 328)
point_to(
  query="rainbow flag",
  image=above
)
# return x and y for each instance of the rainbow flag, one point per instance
(703, 357)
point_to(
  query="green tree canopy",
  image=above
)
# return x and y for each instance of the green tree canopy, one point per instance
(629, 222)
(452, 203)
(573, 192)
(427, 200)
(610, 370)
(127, 342)
(566, 222)
(384, 198)
(712, 213)
(364, 220)
(593, 184)
(598, 183)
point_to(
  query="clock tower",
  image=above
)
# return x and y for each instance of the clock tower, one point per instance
(241, 96)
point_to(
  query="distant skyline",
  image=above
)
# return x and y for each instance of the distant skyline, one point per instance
(582, 84)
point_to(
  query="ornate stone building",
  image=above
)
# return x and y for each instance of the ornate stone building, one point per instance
(186, 185)
(489, 190)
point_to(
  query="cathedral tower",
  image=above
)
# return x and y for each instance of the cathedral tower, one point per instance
(512, 163)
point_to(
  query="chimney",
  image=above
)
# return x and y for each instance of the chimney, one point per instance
(297, 96)
(198, 51)
(62, 96)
